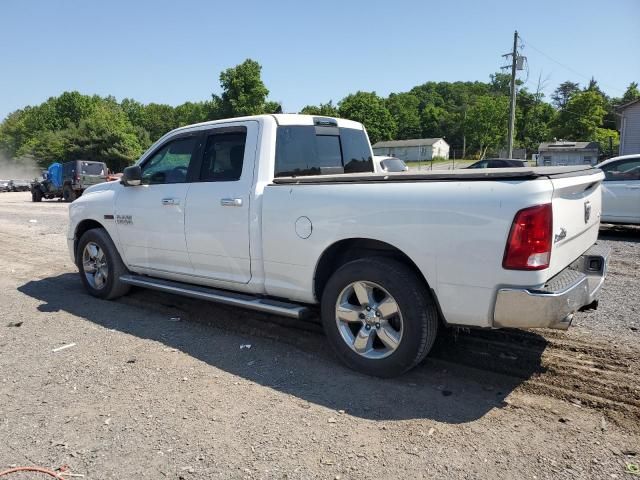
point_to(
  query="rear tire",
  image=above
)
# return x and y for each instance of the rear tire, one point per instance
(379, 316)
(68, 194)
(100, 265)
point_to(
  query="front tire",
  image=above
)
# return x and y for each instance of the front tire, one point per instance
(379, 316)
(100, 265)
(36, 195)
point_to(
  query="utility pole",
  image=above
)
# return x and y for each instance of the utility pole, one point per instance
(512, 103)
(464, 135)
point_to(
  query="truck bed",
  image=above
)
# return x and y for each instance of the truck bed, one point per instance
(527, 173)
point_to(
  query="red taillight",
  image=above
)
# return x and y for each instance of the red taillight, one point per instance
(529, 243)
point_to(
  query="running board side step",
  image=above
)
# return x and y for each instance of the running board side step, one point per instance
(260, 304)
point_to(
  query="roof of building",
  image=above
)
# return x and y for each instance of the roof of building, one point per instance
(627, 105)
(567, 146)
(414, 142)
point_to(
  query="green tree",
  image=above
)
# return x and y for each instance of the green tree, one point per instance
(486, 123)
(501, 83)
(433, 121)
(563, 93)
(324, 109)
(106, 135)
(405, 110)
(632, 93)
(533, 120)
(13, 133)
(608, 139)
(272, 107)
(594, 87)
(158, 119)
(71, 107)
(370, 110)
(244, 93)
(581, 117)
(134, 110)
(47, 147)
(189, 113)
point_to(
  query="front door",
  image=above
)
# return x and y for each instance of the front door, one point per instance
(150, 217)
(217, 215)
(621, 191)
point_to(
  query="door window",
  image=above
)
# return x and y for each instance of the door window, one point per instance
(223, 157)
(622, 170)
(170, 164)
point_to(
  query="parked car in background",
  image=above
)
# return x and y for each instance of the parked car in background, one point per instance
(4, 185)
(621, 189)
(389, 164)
(498, 163)
(19, 185)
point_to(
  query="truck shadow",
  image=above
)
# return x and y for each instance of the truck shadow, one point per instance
(466, 376)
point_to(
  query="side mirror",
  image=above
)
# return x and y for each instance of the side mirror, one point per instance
(132, 176)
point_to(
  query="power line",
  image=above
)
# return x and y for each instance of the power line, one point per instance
(529, 44)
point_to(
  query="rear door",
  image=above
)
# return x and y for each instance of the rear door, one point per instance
(217, 213)
(621, 191)
(150, 217)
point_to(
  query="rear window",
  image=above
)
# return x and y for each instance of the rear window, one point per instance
(92, 168)
(308, 150)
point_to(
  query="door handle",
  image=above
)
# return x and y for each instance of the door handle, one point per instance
(170, 201)
(231, 202)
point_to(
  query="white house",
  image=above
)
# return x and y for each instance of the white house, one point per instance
(413, 150)
(565, 152)
(629, 118)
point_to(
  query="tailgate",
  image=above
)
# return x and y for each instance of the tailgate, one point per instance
(577, 204)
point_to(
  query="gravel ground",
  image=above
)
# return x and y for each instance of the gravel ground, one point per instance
(158, 386)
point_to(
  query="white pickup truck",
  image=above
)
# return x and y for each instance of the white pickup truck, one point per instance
(284, 213)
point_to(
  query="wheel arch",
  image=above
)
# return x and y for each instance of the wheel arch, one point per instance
(83, 227)
(346, 250)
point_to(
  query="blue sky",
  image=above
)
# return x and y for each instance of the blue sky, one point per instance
(311, 52)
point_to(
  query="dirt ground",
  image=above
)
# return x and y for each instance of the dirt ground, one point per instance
(158, 386)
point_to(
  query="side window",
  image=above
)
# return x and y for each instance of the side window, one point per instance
(169, 164)
(223, 156)
(303, 150)
(355, 151)
(622, 170)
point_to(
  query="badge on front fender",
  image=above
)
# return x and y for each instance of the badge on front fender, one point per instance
(124, 219)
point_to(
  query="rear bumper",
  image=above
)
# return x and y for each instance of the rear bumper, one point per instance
(553, 305)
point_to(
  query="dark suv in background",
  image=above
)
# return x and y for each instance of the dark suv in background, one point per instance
(78, 175)
(498, 163)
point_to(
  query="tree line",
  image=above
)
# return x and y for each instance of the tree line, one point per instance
(470, 114)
